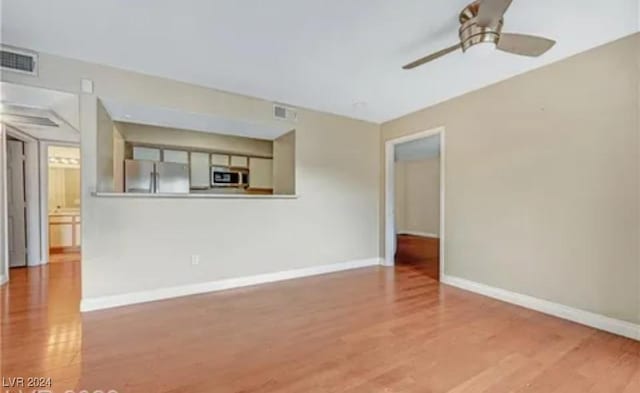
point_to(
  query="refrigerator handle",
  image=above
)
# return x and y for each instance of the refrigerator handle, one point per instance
(152, 183)
(157, 182)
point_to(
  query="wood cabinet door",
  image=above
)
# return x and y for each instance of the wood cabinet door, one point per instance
(199, 170)
(219, 160)
(239, 162)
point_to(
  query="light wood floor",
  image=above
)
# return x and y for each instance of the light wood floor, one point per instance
(367, 330)
(65, 256)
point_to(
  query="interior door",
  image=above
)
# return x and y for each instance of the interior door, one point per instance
(16, 204)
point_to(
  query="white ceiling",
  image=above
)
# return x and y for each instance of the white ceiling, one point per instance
(419, 149)
(338, 56)
(164, 117)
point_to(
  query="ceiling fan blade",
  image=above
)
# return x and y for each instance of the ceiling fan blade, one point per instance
(524, 45)
(491, 11)
(432, 57)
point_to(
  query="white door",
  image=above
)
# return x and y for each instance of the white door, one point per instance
(16, 205)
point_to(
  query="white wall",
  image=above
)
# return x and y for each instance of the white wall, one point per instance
(140, 244)
(543, 181)
(417, 197)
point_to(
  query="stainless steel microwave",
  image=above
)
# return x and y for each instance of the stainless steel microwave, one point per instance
(225, 177)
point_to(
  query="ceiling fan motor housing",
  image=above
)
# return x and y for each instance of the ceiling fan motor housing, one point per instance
(471, 34)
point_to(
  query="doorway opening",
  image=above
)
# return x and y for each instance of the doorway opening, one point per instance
(33, 120)
(20, 243)
(63, 201)
(414, 205)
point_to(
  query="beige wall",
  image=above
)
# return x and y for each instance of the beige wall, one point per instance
(104, 149)
(64, 188)
(284, 164)
(118, 158)
(417, 197)
(192, 139)
(142, 244)
(542, 181)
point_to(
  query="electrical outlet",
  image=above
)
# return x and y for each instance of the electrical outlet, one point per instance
(195, 260)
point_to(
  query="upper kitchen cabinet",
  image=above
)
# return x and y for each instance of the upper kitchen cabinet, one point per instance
(200, 171)
(175, 156)
(239, 162)
(146, 153)
(220, 159)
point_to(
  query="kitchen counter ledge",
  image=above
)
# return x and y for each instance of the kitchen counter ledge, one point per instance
(189, 196)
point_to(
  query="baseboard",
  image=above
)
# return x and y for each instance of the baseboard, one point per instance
(597, 321)
(418, 233)
(98, 303)
(3, 279)
(63, 250)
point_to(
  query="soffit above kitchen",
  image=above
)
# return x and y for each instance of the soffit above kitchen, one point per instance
(342, 57)
(128, 112)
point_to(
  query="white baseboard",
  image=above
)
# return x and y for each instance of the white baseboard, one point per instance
(98, 303)
(418, 233)
(3, 279)
(597, 321)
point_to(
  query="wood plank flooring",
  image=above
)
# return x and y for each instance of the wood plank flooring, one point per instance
(367, 330)
(64, 256)
(422, 253)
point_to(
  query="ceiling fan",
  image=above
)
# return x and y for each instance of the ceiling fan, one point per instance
(480, 23)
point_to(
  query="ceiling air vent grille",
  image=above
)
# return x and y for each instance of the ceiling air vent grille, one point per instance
(281, 112)
(19, 60)
(29, 120)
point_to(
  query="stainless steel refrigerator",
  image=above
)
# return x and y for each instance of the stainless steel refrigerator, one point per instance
(152, 177)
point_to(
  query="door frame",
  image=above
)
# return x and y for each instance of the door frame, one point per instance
(389, 184)
(4, 274)
(37, 196)
(44, 186)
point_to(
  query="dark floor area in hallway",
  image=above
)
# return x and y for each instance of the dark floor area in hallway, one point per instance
(421, 253)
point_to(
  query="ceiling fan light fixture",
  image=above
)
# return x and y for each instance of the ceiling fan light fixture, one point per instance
(471, 33)
(481, 23)
(481, 49)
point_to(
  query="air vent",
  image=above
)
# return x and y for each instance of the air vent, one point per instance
(19, 60)
(29, 120)
(281, 112)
